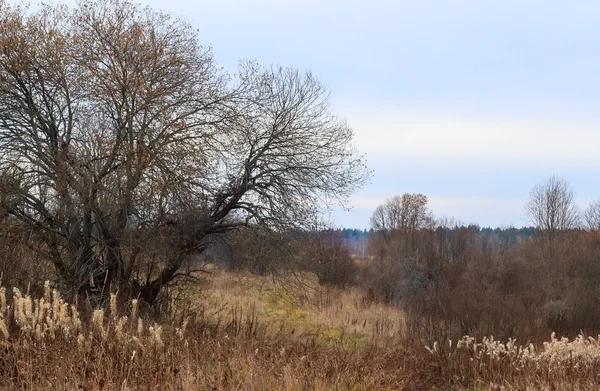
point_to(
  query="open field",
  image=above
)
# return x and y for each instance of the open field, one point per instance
(242, 332)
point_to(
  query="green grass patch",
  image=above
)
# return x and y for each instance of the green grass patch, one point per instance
(336, 337)
(282, 306)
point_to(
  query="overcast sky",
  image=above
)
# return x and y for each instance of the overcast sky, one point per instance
(469, 102)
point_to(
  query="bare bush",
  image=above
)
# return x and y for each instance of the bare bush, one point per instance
(331, 260)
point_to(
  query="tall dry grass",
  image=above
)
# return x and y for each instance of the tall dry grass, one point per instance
(299, 305)
(47, 343)
(242, 332)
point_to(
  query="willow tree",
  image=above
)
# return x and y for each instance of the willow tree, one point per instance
(124, 147)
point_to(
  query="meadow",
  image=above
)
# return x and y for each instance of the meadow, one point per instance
(130, 160)
(238, 331)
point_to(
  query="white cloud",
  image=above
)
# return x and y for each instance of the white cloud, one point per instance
(445, 135)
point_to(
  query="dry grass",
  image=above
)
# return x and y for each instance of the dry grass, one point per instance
(558, 364)
(251, 333)
(249, 341)
(305, 309)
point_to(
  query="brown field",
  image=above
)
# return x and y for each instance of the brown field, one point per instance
(243, 332)
(130, 160)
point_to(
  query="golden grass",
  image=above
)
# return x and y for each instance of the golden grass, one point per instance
(304, 309)
(242, 332)
(246, 333)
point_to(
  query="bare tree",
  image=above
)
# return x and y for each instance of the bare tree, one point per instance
(125, 147)
(408, 212)
(592, 216)
(386, 217)
(551, 207)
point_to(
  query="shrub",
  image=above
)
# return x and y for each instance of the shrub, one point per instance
(330, 259)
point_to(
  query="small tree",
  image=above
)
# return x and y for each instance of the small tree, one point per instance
(551, 207)
(401, 232)
(592, 216)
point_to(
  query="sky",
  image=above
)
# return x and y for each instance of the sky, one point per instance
(469, 102)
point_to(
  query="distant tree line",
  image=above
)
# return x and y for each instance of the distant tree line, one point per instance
(357, 240)
(506, 282)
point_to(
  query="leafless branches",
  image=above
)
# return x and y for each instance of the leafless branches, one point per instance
(408, 213)
(551, 207)
(119, 129)
(592, 216)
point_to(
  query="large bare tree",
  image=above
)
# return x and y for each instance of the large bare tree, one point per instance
(124, 146)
